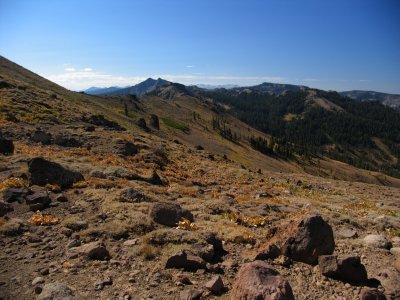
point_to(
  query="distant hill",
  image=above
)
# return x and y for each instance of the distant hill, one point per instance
(391, 100)
(102, 91)
(139, 89)
(213, 87)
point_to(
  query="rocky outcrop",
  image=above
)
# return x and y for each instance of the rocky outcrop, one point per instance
(16, 194)
(304, 241)
(43, 172)
(169, 214)
(257, 280)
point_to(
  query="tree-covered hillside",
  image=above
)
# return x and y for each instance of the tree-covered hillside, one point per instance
(299, 125)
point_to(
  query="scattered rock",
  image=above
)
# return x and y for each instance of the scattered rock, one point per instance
(311, 238)
(5, 208)
(94, 250)
(284, 261)
(131, 195)
(377, 241)
(12, 227)
(43, 172)
(37, 280)
(56, 291)
(124, 148)
(60, 198)
(154, 122)
(186, 261)
(397, 264)
(395, 251)
(6, 146)
(142, 124)
(16, 194)
(99, 120)
(169, 214)
(40, 136)
(130, 243)
(271, 252)
(390, 279)
(38, 201)
(66, 141)
(215, 285)
(371, 294)
(347, 269)
(348, 233)
(99, 285)
(75, 223)
(257, 280)
(191, 294)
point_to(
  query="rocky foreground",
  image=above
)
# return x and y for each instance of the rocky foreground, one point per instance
(92, 212)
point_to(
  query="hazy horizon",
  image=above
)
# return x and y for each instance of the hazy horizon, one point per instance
(330, 45)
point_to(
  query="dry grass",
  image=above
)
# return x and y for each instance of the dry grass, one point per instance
(148, 252)
(12, 182)
(40, 219)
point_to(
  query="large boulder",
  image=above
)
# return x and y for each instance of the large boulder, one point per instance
(6, 146)
(347, 269)
(257, 280)
(310, 238)
(43, 172)
(169, 214)
(56, 291)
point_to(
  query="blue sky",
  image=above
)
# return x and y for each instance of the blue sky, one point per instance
(339, 45)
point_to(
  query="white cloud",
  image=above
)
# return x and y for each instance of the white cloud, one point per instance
(70, 69)
(80, 80)
(87, 69)
(189, 66)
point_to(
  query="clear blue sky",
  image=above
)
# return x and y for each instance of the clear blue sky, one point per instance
(328, 44)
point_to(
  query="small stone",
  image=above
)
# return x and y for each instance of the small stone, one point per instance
(56, 290)
(377, 241)
(94, 250)
(130, 243)
(37, 280)
(215, 285)
(348, 233)
(191, 294)
(371, 294)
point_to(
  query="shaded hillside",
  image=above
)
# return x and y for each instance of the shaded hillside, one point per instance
(313, 123)
(387, 99)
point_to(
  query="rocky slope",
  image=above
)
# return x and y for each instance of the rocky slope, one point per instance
(95, 209)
